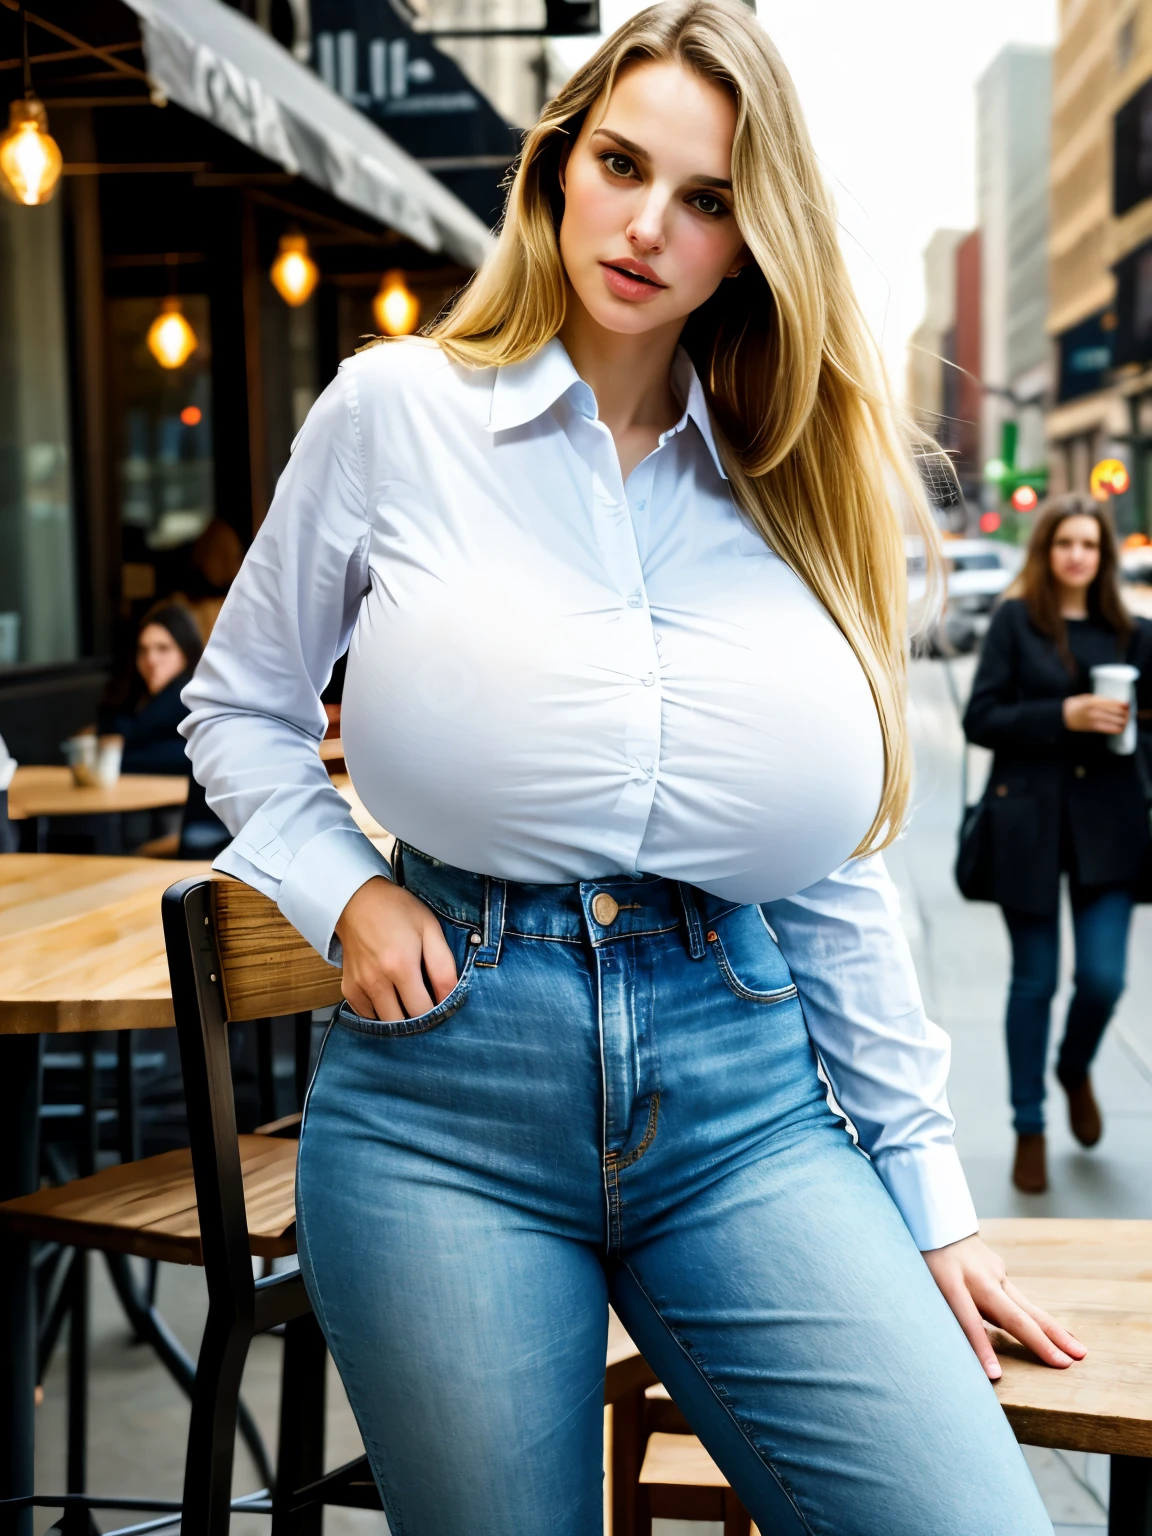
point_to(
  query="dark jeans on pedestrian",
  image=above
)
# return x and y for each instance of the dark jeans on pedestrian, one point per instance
(1100, 920)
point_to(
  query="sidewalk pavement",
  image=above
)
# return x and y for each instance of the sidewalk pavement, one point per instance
(139, 1418)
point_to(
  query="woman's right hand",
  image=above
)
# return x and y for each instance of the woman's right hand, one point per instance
(393, 950)
(1089, 712)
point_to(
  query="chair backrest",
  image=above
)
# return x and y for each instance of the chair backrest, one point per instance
(232, 956)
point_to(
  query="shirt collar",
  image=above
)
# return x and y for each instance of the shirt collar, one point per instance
(523, 391)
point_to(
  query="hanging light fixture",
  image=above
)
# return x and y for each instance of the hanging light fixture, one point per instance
(30, 158)
(294, 274)
(171, 340)
(396, 309)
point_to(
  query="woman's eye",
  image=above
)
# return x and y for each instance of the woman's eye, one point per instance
(706, 203)
(619, 165)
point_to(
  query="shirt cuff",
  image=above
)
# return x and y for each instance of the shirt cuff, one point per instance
(318, 883)
(930, 1191)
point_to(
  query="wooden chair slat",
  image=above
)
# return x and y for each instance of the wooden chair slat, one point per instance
(682, 1461)
(148, 1208)
(267, 967)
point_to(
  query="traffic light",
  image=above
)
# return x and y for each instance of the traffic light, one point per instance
(572, 18)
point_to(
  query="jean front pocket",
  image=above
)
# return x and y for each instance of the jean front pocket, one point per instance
(465, 955)
(748, 957)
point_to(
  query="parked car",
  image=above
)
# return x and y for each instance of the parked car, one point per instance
(977, 572)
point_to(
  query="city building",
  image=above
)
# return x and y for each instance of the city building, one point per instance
(929, 353)
(159, 355)
(1101, 256)
(1013, 110)
(944, 394)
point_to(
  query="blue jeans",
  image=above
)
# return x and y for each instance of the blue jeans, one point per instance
(1100, 922)
(627, 1112)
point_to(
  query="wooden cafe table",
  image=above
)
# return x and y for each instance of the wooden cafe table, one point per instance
(38, 793)
(81, 949)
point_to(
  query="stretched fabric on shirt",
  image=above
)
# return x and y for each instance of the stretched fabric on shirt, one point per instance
(555, 676)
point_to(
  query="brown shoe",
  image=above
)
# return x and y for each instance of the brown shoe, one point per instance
(1030, 1170)
(1084, 1113)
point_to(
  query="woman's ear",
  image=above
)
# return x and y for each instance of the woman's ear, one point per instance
(743, 260)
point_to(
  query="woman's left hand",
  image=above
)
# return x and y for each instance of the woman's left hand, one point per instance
(975, 1284)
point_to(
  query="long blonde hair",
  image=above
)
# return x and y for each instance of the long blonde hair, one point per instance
(804, 417)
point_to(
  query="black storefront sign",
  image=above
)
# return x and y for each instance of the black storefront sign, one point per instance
(1133, 338)
(1086, 355)
(366, 51)
(1132, 175)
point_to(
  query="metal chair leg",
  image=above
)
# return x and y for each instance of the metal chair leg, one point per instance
(1130, 1496)
(151, 1328)
(212, 1431)
(300, 1458)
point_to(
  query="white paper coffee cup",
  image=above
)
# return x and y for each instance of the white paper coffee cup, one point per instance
(1116, 680)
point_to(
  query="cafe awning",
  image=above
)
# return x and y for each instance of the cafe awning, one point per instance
(213, 61)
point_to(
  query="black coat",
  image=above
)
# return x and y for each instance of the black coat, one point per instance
(1050, 784)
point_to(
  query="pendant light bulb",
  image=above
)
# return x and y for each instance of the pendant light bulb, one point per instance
(171, 340)
(30, 158)
(294, 274)
(396, 309)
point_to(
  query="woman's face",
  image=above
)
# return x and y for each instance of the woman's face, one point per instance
(1074, 556)
(648, 232)
(158, 658)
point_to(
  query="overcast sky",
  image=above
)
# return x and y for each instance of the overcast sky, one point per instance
(888, 88)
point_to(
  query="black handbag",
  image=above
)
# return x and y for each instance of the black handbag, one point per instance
(973, 868)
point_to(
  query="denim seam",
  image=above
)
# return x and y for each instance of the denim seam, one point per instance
(724, 1402)
(638, 933)
(547, 938)
(394, 1518)
(648, 1138)
(780, 995)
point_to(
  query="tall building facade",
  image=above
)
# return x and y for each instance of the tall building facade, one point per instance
(1101, 258)
(1013, 112)
(928, 351)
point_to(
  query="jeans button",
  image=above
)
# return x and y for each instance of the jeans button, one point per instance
(604, 909)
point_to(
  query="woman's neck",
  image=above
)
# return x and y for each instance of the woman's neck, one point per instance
(1073, 601)
(630, 377)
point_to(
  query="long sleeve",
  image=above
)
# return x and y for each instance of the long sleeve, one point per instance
(256, 719)
(996, 717)
(886, 1063)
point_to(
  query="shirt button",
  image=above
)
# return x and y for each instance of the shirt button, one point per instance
(648, 679)
(635, 600)
(640, 505)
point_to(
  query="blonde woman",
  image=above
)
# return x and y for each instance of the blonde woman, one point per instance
(630, 1020)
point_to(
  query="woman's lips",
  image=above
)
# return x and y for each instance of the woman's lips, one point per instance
(626, 285)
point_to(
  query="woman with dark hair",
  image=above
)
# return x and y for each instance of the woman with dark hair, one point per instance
(1059, 801)
(168, 646)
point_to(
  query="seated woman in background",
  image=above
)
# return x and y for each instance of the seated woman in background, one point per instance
(168, 646)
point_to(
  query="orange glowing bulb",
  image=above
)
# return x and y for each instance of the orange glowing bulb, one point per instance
(171, 340)
(191, 415)
(396, 308)
(30, 158)
(294, 274)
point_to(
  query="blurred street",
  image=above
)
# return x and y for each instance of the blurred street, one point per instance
(139, 1419)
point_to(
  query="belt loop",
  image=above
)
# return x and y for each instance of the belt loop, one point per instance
(696, 948)
(495, 901)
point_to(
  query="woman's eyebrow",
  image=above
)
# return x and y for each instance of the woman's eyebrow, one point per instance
(642, 154)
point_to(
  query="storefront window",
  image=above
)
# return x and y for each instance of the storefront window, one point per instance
(38, 604)
(164, 442)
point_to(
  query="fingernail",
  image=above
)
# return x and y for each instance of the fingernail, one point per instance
(994, 1372)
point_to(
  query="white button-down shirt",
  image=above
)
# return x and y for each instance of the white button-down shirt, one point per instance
(553, 675)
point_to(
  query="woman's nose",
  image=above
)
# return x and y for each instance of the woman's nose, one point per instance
(646, 227)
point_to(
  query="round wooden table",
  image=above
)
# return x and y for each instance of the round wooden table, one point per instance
(38, 793)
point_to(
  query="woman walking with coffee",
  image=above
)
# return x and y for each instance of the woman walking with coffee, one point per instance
(1053, 698)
